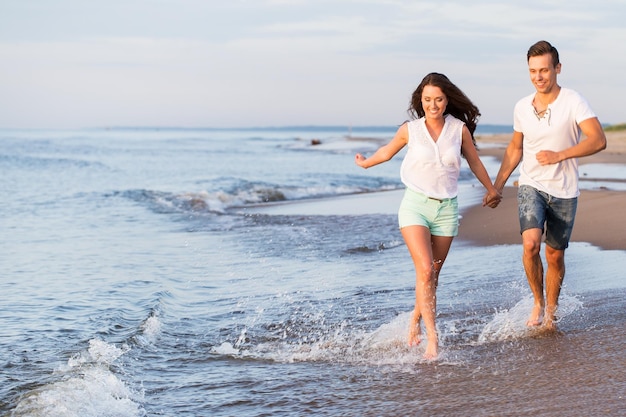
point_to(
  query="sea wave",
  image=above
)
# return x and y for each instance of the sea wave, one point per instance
(91, 382)
(86, 386)
(246, 194)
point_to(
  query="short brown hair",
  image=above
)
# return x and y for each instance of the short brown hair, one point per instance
(543, 48)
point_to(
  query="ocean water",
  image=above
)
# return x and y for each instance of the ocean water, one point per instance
(140, 277)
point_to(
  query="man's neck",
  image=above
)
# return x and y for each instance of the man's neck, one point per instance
(548, 97)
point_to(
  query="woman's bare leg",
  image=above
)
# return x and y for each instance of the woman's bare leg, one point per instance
(428, 254)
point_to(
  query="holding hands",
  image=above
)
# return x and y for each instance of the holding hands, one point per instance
(492, 198)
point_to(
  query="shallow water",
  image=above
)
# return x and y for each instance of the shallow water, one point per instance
(137, 283)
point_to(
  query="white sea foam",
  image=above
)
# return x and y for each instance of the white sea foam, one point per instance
(150, 331)
(98, 352)
(94, 392)
(226, 349)
(85, 387)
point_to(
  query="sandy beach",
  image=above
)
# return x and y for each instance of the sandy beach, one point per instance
(600, 214)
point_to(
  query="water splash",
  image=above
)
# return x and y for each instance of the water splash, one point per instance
(343, 343)
(511, 324)
(149, 331)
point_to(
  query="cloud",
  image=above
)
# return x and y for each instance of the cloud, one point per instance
(260, 62)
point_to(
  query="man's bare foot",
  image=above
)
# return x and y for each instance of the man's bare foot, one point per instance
(536, 317)
(549, 320)
(549, 324)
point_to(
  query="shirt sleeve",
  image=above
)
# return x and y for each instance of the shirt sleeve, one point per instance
(517, 119)
(583, 110)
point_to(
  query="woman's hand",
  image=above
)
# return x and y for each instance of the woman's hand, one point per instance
(360, 160)
(492, 198)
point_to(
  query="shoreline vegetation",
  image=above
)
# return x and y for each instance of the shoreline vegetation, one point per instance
(615, 128)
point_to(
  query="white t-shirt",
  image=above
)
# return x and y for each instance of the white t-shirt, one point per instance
(429, 167)
(557, 130)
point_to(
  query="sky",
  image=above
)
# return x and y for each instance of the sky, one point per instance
(258, 63)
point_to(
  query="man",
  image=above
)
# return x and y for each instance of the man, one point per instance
(547, 141)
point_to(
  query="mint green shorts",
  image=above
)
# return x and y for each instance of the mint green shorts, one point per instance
(441, 217)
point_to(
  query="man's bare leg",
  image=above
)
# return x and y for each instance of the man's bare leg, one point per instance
(533, 266)
(554, 280)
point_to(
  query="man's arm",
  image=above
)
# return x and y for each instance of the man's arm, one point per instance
(595, 142)
(510, 160)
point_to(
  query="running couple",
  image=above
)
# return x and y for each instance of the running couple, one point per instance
(546, 143)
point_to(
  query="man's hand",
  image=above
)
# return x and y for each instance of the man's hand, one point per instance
(548, 157)
(492, 199)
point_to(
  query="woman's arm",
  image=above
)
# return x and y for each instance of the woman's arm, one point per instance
(493, 197)
(511, 159)
(386, 152)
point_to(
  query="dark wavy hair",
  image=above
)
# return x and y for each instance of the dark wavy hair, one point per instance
(459, 105)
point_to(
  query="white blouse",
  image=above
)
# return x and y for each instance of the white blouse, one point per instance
(432, 167)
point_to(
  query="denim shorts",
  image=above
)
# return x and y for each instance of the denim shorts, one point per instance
(537, 209)
(441, 217)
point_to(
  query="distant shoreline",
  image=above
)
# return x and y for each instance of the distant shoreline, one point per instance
(349, 130)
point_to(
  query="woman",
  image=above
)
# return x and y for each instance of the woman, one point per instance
(442, 130)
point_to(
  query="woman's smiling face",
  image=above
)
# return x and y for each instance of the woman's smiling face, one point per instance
(434, 102)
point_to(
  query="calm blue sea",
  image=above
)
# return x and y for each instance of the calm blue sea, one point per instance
(136, 280)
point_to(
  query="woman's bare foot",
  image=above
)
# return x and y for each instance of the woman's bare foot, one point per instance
(536, 317)
(432, 350)
(415, 334)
